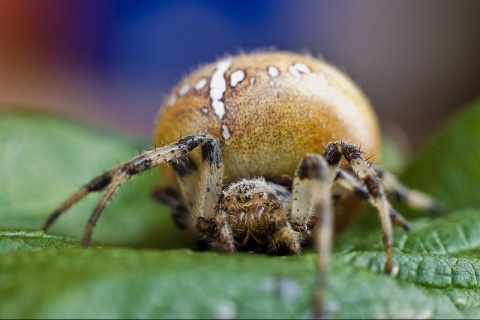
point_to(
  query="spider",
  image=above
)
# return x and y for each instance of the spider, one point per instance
(260, 154)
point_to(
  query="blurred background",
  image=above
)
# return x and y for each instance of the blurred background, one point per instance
(112, 62)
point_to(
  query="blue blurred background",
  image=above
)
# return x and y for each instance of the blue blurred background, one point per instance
(112, 62)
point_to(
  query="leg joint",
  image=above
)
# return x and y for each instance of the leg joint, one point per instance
(99, 183)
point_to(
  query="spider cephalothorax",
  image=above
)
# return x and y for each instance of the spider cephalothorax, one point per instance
(258, 212)
(274, 116)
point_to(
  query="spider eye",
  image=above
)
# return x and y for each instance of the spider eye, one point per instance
(243, 197)
(261, 194)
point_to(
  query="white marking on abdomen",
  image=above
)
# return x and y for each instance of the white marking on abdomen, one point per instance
(273, 71)
(301, 67)
(225, 132)
(171, 101)
(183, 89)
(218, 85)
(204, 110)
(297, 68)
(200, 84)
(252, 81)
(236, 77)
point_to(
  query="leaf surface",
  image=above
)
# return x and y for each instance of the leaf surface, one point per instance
(44, 158)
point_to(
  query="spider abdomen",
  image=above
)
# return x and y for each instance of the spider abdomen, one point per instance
(267, 110)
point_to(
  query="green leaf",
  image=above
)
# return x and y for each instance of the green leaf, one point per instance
(44, 158)
(441, 264)
(448, 166)
(32, 240)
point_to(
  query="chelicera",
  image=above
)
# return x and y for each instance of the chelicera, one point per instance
(260, 152)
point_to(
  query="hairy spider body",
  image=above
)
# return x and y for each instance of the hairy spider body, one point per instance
(260, 152)
(250, 206)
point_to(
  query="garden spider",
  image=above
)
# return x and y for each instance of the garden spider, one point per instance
(267, 157)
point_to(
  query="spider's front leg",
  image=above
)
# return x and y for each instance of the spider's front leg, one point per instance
(367, 175)
(312, 208)
(200, 188)
(312, 195)
(111, 180)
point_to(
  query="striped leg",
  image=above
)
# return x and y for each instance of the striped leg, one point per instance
(346, 181)
(413, 198)
(312, 202)
(361, 168)
(111, 180)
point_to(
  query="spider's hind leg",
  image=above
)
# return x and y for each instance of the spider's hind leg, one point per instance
(413, 198)
(346, 181)
(172, 199)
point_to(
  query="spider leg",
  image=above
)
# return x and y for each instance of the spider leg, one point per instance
(346, 184)
(345, 180)
(283, 232)
(333, 153)
(183, 201)
(186, 173)
(413, 198)
(201, 187)
(112, 179)
(209, 183)
(172, 198)
(309, 174)
(218, 231)
(117, 181)
(97, 184)
(311, 203)
(224, 237)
